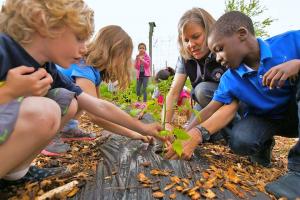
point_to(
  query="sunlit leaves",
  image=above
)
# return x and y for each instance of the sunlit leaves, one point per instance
(164, 133)
(134, 112)
(177, 147)
(181, 134)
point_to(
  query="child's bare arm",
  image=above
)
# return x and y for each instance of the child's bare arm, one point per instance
(89, 87)
(115, 128)
(23, 81)
(277, 75)
(112, 113)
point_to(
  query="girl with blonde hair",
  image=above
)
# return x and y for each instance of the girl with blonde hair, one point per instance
(107, 58)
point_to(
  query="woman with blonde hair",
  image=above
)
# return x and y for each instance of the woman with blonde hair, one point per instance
(197, 63)
(108, 58)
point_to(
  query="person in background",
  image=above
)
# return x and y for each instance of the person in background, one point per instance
(165, 74)
(143, 71)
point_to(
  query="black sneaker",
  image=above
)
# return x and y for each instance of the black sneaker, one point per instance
(263, 157)
(34, 174)
(286, 186)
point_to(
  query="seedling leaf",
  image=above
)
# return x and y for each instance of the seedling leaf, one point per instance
(177, 147)
(164, 133)
(181, 134)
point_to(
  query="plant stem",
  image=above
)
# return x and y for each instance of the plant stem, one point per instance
(164, 110)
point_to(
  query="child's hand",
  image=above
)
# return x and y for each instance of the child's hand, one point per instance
(23, 81)
(147, 139)
(189, 146)
(277, 75)
(153, 130)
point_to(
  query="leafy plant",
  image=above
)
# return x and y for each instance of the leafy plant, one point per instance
(252, 9)
(134, 112)
(179, 134)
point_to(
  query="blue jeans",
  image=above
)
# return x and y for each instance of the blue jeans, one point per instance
(204, 92)
(142, 81)
(253, 134)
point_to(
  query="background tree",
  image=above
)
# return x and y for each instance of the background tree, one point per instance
(253, 9)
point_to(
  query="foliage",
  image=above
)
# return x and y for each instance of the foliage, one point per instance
(126, 97)
(179, 134)
(252, 9)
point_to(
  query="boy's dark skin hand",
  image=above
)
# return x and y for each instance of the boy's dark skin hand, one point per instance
(276, 76)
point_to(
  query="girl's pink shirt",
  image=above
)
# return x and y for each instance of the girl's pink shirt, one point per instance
(146, 63)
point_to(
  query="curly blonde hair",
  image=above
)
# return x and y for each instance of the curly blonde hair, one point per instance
(198, 16)
(21, 18)
(110, 51)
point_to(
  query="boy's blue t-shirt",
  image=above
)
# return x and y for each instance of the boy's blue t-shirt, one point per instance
(13, 55)
(245, 84)
(81, 71)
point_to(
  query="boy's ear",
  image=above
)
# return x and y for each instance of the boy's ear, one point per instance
(242, 33)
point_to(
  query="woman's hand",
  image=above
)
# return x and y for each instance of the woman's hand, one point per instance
(188, 146)
(276, 76)
(169, 127)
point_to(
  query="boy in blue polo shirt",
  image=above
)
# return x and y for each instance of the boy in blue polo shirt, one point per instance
(261, 75)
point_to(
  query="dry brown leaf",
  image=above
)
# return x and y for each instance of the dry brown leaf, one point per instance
(186, 190)
(73, 192)
(205, 175)
(231, 175)
(196, 196)
(169, 186)
(146, 185)
(191, 193)
(142, 178)
(209, 194)
(186, 181)
(233, 188)
(45, 183)
(158, 194)
(175, 179)
(155, 188)
(210, 183)
(172, 196)
(198, 183)
(179, 188)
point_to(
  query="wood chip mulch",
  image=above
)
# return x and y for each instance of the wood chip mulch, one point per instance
(84, 156)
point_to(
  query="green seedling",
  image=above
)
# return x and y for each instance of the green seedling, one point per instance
(180, 135)
(134, 112)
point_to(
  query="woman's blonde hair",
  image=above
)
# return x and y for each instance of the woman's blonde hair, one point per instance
(110, 51)
(21, 18)
(198, 16)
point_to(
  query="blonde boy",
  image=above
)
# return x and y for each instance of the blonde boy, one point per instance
(34, 35)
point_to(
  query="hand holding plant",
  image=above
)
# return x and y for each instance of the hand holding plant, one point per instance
(174, 137)
(186, 148)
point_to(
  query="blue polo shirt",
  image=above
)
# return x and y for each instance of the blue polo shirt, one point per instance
(245, 84)
(82, 71)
